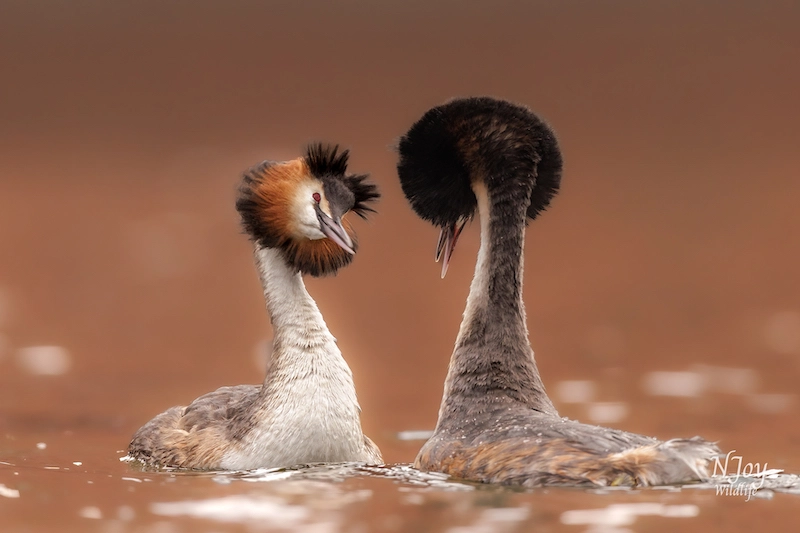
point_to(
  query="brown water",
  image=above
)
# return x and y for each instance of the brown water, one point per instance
(662, 286)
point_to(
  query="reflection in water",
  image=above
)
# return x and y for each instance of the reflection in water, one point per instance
(340, 472)
(352, 497)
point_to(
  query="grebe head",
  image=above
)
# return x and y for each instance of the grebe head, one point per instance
(299, 206)
(469, 140)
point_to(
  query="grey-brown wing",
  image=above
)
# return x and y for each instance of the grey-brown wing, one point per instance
(218, 408)
(522, 448)
(194, 436)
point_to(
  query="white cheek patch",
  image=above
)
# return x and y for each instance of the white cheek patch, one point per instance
(306, 223)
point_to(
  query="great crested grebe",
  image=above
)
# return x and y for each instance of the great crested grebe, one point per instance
(306, 410)
(496, 423)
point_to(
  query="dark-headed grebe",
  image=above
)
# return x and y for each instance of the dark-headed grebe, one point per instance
(306, 411)
(496, 423)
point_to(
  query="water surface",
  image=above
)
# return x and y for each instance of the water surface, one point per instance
(661, 286)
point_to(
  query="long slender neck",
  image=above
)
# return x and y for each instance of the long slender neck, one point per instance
(493, 363)
(288, 301)
(302, 346)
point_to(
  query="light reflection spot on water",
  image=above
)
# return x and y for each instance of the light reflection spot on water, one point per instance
(625, 514)
(494, 519)
(44, 360)
(415, 498)
(77, 463)
(7, 492)
(126, 513)
(575, 391)
(607, 412)
(41, 445)
(664, 383)
(770, 403)
(727, 379)
(415, 434)
(701, 379)
(240, 508)
(91, 512)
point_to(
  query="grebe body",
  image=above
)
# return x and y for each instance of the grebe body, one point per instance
(306, 410)
(496, 423)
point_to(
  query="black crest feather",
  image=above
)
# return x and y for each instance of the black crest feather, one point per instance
(326, 160)
(364, 192)
(472, 139)
(327, 163)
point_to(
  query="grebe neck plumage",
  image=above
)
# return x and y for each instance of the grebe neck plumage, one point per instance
(309, 384)
(494, 317)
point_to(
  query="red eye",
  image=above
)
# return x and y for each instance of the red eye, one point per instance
(316, 197)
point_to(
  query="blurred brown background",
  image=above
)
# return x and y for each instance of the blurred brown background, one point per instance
(672, 247)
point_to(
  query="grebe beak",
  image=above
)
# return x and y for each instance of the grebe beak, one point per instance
(448, 236)
(334, 230)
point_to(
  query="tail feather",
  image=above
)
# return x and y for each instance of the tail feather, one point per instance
(667, 463)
